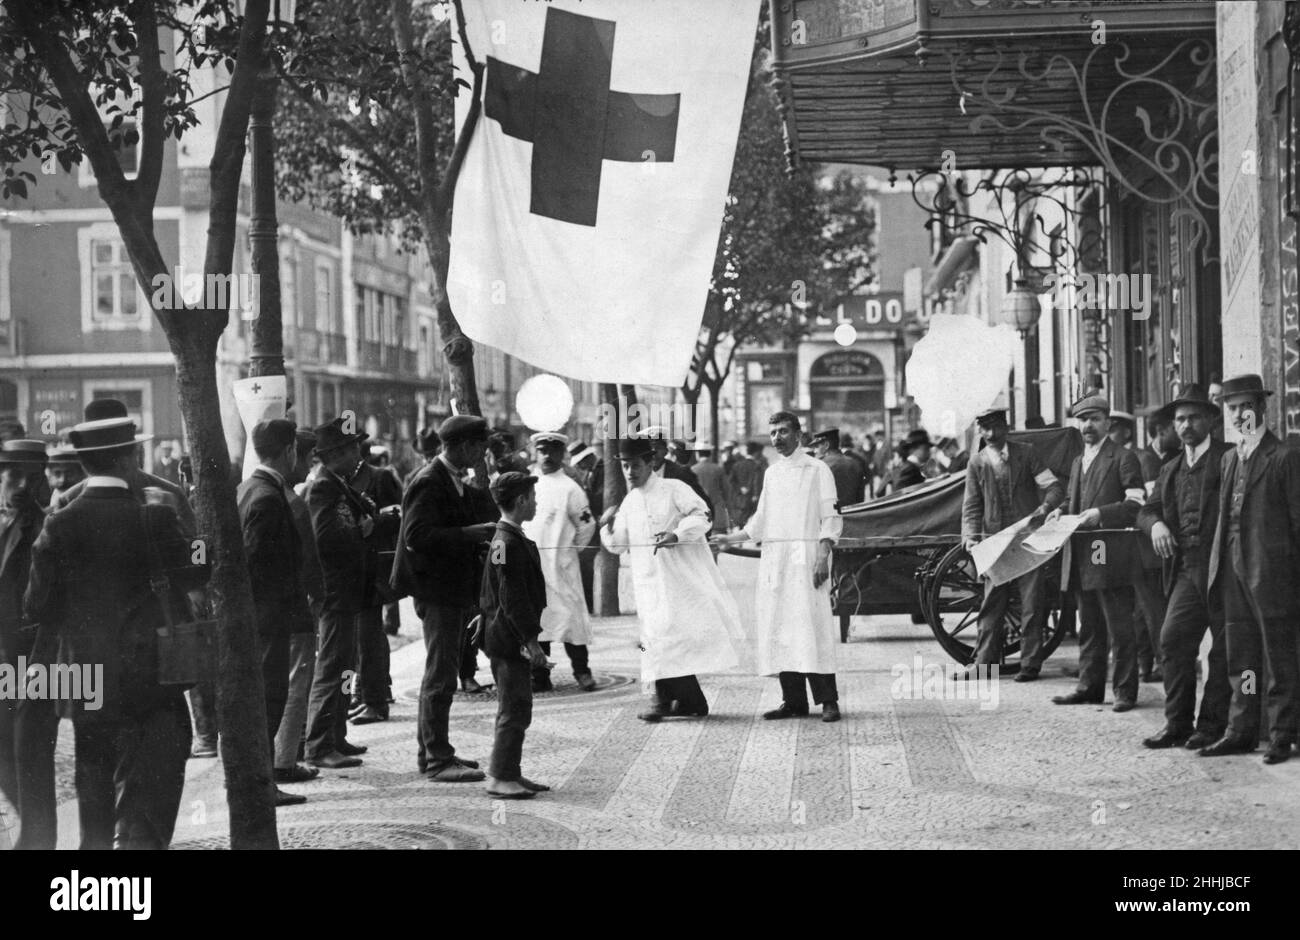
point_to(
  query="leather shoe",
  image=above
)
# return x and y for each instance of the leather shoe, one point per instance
(586, 682)
(1124, 705)
(1155, 675)
(830, 712)
(471, 764)
(1027, 675)
(786, 711)
(295, 774)
(1228, 744)
(653, 715)
(1076, 698)
(288, 799)
(679, 712)
(348, 749)
(456, 773)
(1278, 751)
(471, 685)
(1200, 739)
(535, 787)
(369, 715)
(1165, 739)
(335, 761)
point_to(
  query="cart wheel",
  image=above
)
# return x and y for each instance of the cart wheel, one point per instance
(952, 593)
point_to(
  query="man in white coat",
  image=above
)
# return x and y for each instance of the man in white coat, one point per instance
(797, 525)
(562, 526)
(689, 621)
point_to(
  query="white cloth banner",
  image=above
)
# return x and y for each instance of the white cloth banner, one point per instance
(588, 207)
(258, 399)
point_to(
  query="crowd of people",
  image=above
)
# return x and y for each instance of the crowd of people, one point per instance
(496, 548)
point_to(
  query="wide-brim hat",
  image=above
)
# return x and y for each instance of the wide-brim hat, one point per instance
(426, 441)
(1123, 416)
(1249, 384)
(64, 456)
(630, 447)
(990, 415)
(1192, 395)
(105, 434)
(580, 453)
(331, 437)
(29, 455)
(918, 438)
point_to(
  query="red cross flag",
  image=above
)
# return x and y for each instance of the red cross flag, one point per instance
(588, 207)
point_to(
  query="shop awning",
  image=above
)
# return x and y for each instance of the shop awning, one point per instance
(907, 83)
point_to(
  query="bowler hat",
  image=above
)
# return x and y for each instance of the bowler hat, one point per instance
(28, 455)
(331, 436)
(630, 447)
(105, 434)
(918, 438)
(427, 441)
(274, 435)
(1089, 403)
(1249, 384)
(103, 408)
(1194, 395)
(510, 484)
(459, 428)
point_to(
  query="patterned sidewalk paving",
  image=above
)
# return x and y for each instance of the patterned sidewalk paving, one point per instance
(893, 774)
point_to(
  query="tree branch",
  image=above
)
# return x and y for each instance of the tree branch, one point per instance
(378, 164)
(152, 94)
(447, 191)
(425, 136)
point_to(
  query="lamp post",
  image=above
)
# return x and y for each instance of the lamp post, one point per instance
(1021, 307)
(266, 351)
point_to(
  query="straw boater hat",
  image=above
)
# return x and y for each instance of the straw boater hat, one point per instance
(63, 455)
(578, 452)
(26, 455)
(105, 434)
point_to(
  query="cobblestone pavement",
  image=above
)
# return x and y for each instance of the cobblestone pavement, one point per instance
(892, 774)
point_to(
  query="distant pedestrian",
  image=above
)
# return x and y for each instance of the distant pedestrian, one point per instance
(914, 451)
(63, 472)
(513, 600)
(850, 483)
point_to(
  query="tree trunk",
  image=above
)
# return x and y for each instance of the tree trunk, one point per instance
(241, 698)
(605, 599)
(716, 441)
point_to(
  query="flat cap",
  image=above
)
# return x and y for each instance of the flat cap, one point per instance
(1090, 403)
(274, 435)
(989, 415)
(510, 484)
(548, 437)
(459, 428)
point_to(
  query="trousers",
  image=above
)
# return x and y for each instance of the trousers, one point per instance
(1263, 669)
(684, 690)
(203, 708)
(373, 678)
(1150, 620)
(331, 685)
(36, 732)
(992, 621)
(444, 644)
(1105, 620)
(302, 666)
(514, 683)
(577, 653)
(1191, 610)
(274, 648)
(823, 688)
(130, 773)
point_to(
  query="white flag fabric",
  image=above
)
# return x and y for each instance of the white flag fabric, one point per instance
(588, 208)
(258, 399)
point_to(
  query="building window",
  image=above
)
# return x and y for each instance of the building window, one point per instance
(325, 317)
(110, 296)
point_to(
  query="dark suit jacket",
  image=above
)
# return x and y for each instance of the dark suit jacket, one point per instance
(907, 474)
(513, 595)
(89, 584)
(137, 482)
(1162, 504)
(981, 509)
(273, 549)
(1270, 525)
(1116, 561)
(675, 471)
(850, 482)
(438, 562)
(312, 580)
(336, 514)
(17, 533)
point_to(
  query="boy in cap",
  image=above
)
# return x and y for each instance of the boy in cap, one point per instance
(512, 601)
